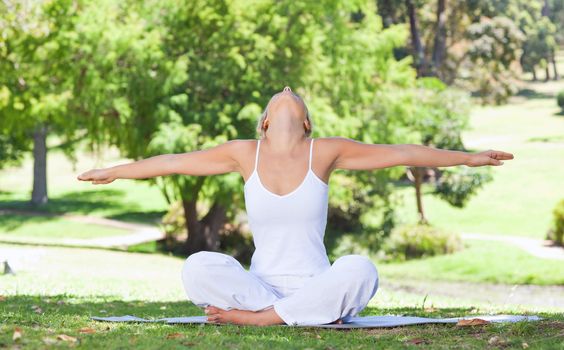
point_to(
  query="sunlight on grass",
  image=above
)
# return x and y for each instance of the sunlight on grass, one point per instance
(482, 262)
(525, 190)
(52, 228)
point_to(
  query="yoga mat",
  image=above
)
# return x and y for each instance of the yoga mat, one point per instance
(353, 322)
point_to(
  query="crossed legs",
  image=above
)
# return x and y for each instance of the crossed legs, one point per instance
(231, 294)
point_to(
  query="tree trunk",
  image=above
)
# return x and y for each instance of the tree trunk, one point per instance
(547, 72)
(418, 175)
(203, 234)
(535, 74)
(386, 10)
(439, 48)
(39, 193)
(419, 54)
(555, 71)
(545, 11)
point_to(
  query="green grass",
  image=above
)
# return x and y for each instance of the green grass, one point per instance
(125, 200)
(480, 261)
(128, 200)
(56, 290)
(51, 228)
(525, 190)
(67, 315)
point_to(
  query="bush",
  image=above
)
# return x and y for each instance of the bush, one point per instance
(420, 240)
(560, 99)
(556, 233)
(458, 185)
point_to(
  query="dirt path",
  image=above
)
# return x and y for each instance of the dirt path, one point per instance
(496, 294)
(536, 247)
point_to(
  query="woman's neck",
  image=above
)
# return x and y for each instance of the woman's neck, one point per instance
(283, 141)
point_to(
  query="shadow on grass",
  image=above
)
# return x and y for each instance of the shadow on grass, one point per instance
(557, 138)
(148, 217)
(42, 318)
(105, 306)
(80, 203)
(532, 94)
(11, 222)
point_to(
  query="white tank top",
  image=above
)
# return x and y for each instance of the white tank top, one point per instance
(287, 229)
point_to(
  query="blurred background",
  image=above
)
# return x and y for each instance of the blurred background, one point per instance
(95, 83)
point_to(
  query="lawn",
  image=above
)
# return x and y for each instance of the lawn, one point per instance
(77, 283)
(129, 200)
(493, 262)
(22, 227)
(124, 200)
(525, 190)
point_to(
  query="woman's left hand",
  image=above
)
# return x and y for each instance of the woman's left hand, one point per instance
(489, 157)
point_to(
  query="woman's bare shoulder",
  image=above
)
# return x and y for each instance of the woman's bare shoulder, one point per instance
(332, 143)
(241, 147)
(242, 144)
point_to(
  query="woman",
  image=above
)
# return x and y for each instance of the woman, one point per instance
(290, 280)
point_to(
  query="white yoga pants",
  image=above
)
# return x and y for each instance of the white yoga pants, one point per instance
(341, 291)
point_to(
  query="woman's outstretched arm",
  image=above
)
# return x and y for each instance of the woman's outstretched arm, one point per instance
(355, 155)
(220, 159)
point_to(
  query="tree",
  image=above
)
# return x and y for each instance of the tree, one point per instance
(493, 57)
(35, 55)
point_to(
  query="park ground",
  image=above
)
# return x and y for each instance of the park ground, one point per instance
(57, 288)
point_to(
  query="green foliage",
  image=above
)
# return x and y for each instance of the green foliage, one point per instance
(35, 84)
(440, 114)
(172, 77)
(494, 51)
(458, 185)
(556, 15)
(540, 44)
(556, 233)
(560, 100)
(420, 240)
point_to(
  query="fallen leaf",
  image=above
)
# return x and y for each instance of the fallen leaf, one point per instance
(68, 338)
(417, 341)
(17, 334)
(430, 309)
(525, 345)
(189, 343)
(318, 336)
(471, 322)
(175, 336)
(2, 298)
(87, 330)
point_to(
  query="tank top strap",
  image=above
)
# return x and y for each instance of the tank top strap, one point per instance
(310, 152)
(257, 154)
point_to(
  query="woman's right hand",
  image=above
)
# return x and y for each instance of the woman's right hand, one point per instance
(97, 176)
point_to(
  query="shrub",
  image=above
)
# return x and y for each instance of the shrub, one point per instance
(560, 99)
(556, 233)
(420, 240)
(458, 185)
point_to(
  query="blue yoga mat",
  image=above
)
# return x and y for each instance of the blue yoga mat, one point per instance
(353, 322)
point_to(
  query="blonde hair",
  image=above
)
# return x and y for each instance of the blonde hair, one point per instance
(262, 118)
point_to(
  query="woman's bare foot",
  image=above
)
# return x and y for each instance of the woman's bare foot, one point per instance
(243, 317)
